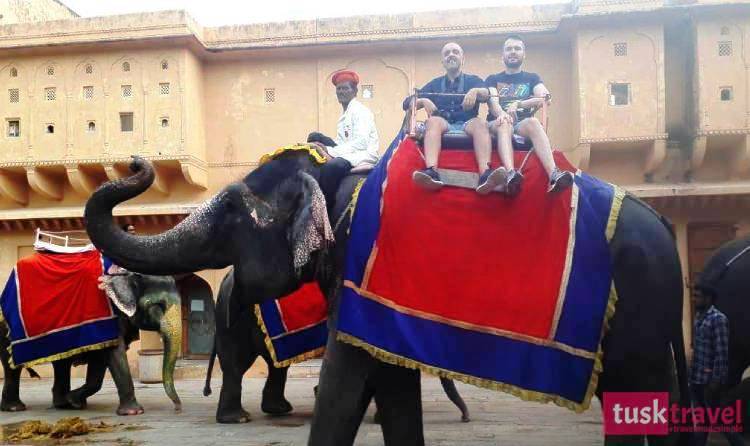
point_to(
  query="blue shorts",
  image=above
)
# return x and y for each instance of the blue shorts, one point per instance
(457, 127)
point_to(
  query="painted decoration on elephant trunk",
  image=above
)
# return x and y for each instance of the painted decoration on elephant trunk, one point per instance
(54, 308)
(505, 293)
(295, 325)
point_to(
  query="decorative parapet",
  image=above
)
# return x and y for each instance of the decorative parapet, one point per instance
(720, 132)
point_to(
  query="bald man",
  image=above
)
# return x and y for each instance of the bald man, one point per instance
(446, 113)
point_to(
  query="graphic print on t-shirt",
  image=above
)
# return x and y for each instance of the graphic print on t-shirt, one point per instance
(513, 92)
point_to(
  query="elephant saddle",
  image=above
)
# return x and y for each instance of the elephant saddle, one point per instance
(506, 293)
(54, 309)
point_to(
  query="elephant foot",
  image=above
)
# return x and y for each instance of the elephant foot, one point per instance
(72, 401)
(15, 406)
(240, 416)
(276, 407)
(130, 408)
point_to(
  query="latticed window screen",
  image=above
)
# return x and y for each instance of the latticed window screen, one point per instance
(50, 93)
(50, 70)
(164, 88)
(13, 95)
(368, 90)
(164, 65)
(270, 95)
(89, 69)
(127, 91)
(88, 92)
(725, 48)
(725, 93)
(126, 66)
(14, 72)
(621, 49)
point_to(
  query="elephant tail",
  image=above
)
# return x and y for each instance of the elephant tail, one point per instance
(207, 387)
(33, 373)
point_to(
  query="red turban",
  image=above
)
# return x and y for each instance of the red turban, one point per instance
(345, 76)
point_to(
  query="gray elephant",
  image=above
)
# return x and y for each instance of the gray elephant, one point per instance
(141, 302)
(271, 226)
(246, 326)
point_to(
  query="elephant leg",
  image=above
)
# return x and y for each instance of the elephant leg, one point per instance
(120, 371)
(96, 367)
(398, 396)
(10, 401)
(235, 359)
(61, 386)
(343, 394)
(274, 402)
(450, 389)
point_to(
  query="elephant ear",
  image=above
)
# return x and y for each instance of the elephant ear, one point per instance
(118, 286)
(311, 229)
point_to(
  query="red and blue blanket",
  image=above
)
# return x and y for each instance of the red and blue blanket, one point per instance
(511, 294)
(54, 309)
(295, 325)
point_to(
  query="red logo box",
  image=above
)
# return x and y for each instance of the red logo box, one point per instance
(636, 413)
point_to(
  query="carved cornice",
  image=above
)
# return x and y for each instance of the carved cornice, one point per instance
(252, 164)
(717, 132)
(72, 162)
(656, 137)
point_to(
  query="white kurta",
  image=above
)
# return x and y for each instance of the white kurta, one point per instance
(356, 136)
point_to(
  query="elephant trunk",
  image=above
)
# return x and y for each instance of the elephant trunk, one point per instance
(170, 328)
(182, 249)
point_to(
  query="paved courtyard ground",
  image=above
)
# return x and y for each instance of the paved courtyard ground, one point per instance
(497, 419)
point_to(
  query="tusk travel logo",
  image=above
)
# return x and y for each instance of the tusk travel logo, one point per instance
(649, 413)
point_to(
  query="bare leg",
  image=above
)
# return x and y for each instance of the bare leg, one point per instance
(504, 143)
(435, 127)
(532, 129)
(480, 134)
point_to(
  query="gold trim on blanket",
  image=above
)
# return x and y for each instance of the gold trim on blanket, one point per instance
(269, 345)
(469, 326)
(568, 262)
(309, 148)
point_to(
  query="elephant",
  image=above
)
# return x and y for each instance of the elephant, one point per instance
(725, 276)
(141, 303)
(272, 226)
(246, 326)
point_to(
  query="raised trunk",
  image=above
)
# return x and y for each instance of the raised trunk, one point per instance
(185, 248)
(170, 328)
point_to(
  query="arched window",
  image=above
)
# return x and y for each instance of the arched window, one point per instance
(165, 122)
(50, 70)
(89, 69)
(126, 66)
(92, 126)
(164, 65)
(13, 72)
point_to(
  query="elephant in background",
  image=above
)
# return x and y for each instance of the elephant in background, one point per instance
(725, 276)
(141, 303)
(272, 226)
(245, 326)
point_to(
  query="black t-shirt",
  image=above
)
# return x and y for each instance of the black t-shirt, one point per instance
(513, 87)
(450, 107)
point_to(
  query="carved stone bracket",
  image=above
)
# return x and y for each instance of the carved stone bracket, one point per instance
(195, 175)
(13, 186)
(655, 157)
(83, 183)
(740, 158)
(45, 183)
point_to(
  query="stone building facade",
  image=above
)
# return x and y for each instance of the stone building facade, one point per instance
(653, 95)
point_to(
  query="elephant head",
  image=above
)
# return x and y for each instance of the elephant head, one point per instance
(151, 303)
(269, 226)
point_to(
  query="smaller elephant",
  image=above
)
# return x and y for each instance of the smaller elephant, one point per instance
(141, 302)
(244, 330)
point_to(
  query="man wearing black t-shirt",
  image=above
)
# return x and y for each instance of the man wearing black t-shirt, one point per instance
(446, 113)
(511, 96)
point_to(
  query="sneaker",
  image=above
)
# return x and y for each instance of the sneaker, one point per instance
(513, 183)
(427, 178)
(490, 179)
(560, 180)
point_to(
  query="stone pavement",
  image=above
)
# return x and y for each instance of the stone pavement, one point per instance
(497, 418)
